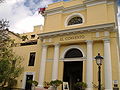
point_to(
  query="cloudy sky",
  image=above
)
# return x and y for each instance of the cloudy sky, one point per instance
(23, 14)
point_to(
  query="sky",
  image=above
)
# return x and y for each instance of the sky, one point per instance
(23, 14)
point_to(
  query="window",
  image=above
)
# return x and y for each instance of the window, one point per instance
(75, 20)
(33, 42)
(32, 59)
(73, 53)
(32, 36)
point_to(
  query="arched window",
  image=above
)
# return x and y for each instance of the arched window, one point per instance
(75, 20)
(73, 53)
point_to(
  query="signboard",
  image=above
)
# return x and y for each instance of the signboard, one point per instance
(65, 86)
(115, 81)
(67, 38)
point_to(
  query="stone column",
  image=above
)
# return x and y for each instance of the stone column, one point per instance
(55, 62)
(89, 66)
(107, 65)
(42, 66)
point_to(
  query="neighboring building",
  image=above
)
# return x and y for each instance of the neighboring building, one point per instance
(74, 33)
(27, 45)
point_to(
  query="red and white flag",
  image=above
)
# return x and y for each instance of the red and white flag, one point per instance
(41, 10)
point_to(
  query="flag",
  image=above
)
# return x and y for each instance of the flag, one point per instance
(41, 10)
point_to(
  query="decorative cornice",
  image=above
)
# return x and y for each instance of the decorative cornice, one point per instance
(54, 10)
(78, 7)
(74, 8)
(92, 3)
(110, 2)
(65, 10)
(45, 46)
(88, 28)
(88, 1)
(96, 2)
(89, 41)
(57, 44)
(106, 40)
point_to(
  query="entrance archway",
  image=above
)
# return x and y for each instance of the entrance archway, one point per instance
(73, 69)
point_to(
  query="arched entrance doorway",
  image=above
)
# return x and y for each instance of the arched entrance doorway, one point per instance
(73, 69)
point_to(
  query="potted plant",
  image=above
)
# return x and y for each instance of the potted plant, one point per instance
(81, 85)
(55, 84)
(46, 85)
(34, 83)
(96, 86)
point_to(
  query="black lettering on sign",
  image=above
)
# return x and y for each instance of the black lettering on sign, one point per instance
(72, 38)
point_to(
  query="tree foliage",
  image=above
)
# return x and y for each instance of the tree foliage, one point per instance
(4, 24)
(10, 64)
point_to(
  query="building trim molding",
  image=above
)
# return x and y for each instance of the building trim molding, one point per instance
(54, 10)
(73, 59)
(74, 8)
(88, 28)
(65, 10)
(79, 7)
(110, 2)
(95, 3)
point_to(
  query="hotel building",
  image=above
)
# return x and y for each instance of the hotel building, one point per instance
(65, 48)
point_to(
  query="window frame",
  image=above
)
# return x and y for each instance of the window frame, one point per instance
(71, 22)
(72, 16)
(30, 60)
(32, 36)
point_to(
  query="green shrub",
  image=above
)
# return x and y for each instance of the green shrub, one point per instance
(46, 84)
(81, 85)
(56, 83)
(33, 82)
